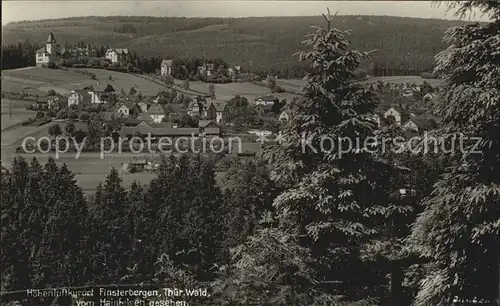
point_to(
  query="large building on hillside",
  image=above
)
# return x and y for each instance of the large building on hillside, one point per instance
(48, 54)
(121, 56)
(166, 67)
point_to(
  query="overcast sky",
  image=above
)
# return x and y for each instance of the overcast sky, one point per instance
(17, 10)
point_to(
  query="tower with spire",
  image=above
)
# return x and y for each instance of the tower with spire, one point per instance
(51, 44)
(50, 53)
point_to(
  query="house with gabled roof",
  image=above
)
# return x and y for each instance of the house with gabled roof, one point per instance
(166, 67)
(207, 124)
(48, 54)
(79, 97)
(53, 101)
(195, 108)
(118, 55)
(216, 110)
(163, 125)
(284, 116)
(126, 109)
(157, 113)
(144, 106)
(266, 100)
(233, 70)
(145, 117)
(420, 124)
(262, 109)
(399, 114)
(162, 95)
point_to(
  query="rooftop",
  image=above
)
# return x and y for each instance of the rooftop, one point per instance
(126, 131)
(166, 63)
(156, 110)
(51, 38)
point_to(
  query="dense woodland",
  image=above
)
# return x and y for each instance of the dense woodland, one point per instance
(405, 46)
(292, 226)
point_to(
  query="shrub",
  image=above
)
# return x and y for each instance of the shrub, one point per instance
(278, 89)
(72, 115)
(40, 115)
(84, 116)
(61, 114)
(44, 122)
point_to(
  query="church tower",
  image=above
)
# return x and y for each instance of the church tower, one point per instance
(51, 44)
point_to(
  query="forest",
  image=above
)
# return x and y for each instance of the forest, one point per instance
(404, 46)
(294, 225)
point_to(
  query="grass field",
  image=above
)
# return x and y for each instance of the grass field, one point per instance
(296, 85)
(14, 112)
(249, 90)
(90, 169)
(41, 80)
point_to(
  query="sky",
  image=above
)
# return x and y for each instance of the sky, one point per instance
(18, 10)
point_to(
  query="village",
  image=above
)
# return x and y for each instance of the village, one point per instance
(170, 113)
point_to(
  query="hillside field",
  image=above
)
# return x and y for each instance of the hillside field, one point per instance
(296, 85)
(248, 90)
(42, 79)
(14, 112)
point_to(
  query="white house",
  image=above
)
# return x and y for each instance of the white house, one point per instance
(260, 133)
(77, 97)
(284, 116)
(265, 100)
(49, 53)
(233, 70)
(117, 55)
(195, 108)
(125, 109)
(217, 111)
(400, 116)
(157, 113)
(428, 97)
(52, 101)
(143, 106)
(419, 124)
(166, 67)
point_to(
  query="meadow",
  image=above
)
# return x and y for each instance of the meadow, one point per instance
(90, 169)
(248, 90)
(42, 80)
(14, 112)
(295, 85)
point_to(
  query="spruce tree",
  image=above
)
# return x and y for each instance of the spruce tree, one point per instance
(32, 219)
(460, 227)
(141, 231)
(64, 233)
(109, 231)
(14, 256)
(201, 235)
(337, 200)
(248, 192)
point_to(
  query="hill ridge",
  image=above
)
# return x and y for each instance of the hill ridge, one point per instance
(257, 43)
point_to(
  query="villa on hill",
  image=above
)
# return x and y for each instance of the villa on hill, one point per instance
(48, 54)
(120, 56)
(166, 67)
